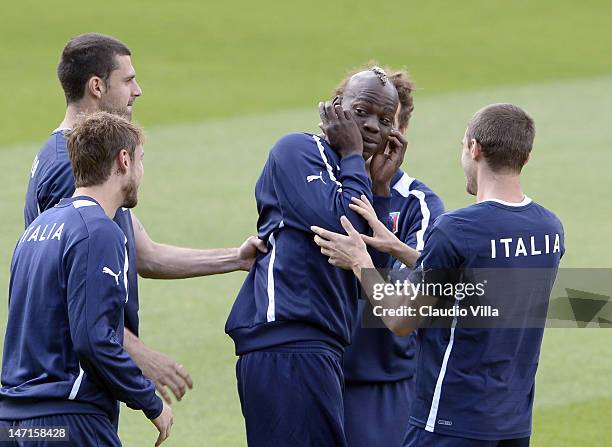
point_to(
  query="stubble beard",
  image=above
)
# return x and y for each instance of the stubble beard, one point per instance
(130, 194)
(113, 109)
(471, 186)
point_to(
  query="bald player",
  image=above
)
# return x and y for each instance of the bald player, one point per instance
(295, 312)
(380, 367)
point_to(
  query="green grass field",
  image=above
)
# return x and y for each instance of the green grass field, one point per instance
(222, 82)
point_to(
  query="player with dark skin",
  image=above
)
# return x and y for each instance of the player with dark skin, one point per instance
(362, 122)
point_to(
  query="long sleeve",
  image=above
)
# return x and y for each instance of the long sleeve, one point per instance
(97, 291)
(311, 190)
(382, 207)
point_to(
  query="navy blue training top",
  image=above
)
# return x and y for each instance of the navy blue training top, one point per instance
(292, 293)
(63, 347)
(52, 179)
(479, 382)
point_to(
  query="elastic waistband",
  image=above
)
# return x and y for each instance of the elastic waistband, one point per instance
(16, 409)
(284, 335)
(373, 379)
(320, 347)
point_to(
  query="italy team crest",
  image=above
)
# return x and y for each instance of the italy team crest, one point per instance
(395, 219)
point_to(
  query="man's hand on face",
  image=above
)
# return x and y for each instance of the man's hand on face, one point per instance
(340, 128)
(384, 165)
(164, 372)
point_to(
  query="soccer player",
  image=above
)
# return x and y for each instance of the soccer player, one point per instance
(96, 73)
(379, 367)
(295, 312)
(64, 364)
(475, 386)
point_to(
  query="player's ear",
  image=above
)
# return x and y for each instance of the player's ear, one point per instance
(96, 87)
(123, 161)
(475, 149)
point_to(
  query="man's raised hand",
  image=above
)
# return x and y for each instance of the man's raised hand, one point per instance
(382, 239)
(340, 128)
(384, 165)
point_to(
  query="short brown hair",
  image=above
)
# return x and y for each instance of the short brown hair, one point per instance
(404, 86)
(84, 56)
(95, 142)
(506, 133)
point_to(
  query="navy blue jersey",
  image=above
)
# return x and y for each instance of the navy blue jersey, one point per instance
(479, 383)
(63, 348)
(376, 355)
(292, 293)
(52, 179)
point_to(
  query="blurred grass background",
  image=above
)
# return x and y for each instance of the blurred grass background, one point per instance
(200, 60)
(223, 81)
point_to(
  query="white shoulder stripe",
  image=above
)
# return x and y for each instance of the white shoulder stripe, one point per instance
(424, 221)
(327, 165)
(82, 203)
(403, 185)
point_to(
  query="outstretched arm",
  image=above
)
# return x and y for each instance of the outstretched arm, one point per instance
(157, 366)
(349, 252)
(382, 239)
(163, 261)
